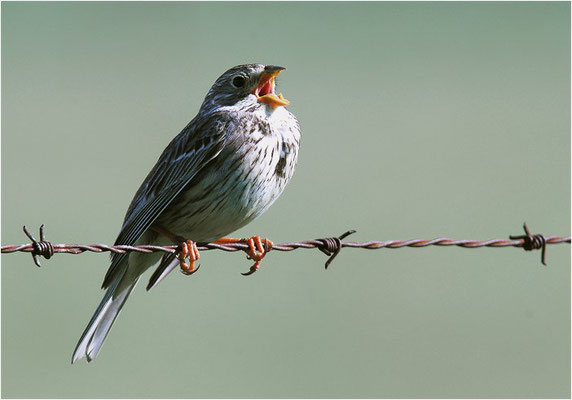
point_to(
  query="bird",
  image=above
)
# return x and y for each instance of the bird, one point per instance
(224, 169)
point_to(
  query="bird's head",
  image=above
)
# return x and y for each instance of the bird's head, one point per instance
(250, 84)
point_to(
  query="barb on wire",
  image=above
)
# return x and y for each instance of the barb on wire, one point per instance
(42, 248)
(532, 242)
(329, 246)
(332, 246)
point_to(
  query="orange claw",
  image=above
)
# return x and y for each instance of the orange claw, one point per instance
(188, 249)
(257, 249)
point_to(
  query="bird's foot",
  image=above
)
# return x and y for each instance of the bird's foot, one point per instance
(188, 249)
(257, 249)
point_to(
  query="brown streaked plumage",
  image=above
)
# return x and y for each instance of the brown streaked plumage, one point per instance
(226, 167)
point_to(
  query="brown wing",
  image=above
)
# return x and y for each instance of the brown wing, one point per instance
(200, 142)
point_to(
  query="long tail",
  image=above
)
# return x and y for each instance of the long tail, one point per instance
(168, 263)
(94, 335)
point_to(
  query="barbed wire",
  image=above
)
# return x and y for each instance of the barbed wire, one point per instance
(330, 246)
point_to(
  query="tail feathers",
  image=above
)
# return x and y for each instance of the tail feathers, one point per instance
(168, 263)
(100, 324)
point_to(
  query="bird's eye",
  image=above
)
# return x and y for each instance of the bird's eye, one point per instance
(238, 81)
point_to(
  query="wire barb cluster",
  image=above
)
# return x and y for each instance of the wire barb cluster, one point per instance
(42, 248)
(332, 246)
(329, 246)
(533, 242)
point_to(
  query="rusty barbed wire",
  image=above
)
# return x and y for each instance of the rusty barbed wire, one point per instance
(329, 246)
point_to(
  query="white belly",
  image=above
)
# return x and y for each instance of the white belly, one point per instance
(238, 186)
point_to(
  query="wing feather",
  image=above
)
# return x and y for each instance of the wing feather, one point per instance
(200, 142)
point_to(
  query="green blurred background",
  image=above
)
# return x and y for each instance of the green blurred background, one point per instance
(418, 119)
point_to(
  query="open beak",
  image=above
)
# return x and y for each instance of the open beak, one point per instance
(264, 92)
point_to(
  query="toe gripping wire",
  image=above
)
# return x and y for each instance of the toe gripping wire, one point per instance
(332, 246)
(329, 246)
(42, 248)
(532, 242)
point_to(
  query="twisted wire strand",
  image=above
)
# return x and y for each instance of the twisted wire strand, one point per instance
(289, 246)
(329, 246)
